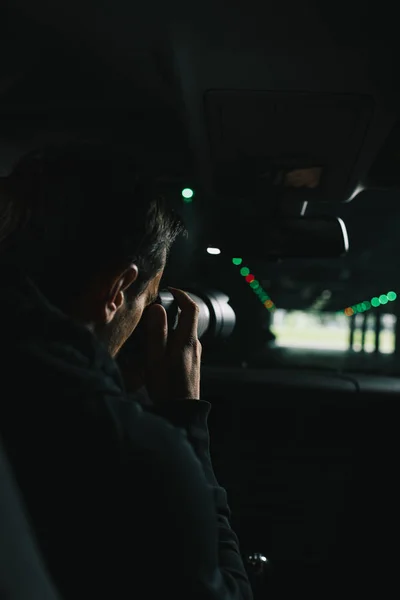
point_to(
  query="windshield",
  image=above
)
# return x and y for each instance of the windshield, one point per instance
(335, 340)
(336, 314)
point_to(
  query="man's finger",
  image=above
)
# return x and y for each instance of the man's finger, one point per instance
(157, 334)
(186, 329)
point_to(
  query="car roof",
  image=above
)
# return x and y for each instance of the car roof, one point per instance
(172, 82)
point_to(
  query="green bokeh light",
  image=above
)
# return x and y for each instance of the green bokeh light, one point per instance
(255, 285)
(187, 194)
(375, 302)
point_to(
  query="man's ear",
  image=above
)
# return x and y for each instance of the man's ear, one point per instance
(115, 295)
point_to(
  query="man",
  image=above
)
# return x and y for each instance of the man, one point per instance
(123, 501)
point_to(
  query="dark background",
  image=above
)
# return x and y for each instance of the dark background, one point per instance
(213, 96)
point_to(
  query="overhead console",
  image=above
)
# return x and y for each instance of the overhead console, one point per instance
(302, 145)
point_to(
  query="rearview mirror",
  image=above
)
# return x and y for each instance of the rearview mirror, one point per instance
(286, 237)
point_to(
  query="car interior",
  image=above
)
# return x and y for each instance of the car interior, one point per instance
(274, 130)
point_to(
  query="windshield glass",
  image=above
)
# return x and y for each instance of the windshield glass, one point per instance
(333, 331)
(362, 342)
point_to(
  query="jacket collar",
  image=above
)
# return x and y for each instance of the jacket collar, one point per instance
(39, 332)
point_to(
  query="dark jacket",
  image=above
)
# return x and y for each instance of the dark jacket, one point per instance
(22, 572)
(124, 503)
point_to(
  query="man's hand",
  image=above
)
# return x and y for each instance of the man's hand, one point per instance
(173, 358)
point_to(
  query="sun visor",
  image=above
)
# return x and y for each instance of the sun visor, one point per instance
(300, 146)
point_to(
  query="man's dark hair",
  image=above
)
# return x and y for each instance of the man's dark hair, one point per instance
(69, 212)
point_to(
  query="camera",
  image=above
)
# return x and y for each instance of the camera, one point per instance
(216, 316)
(216, 322)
